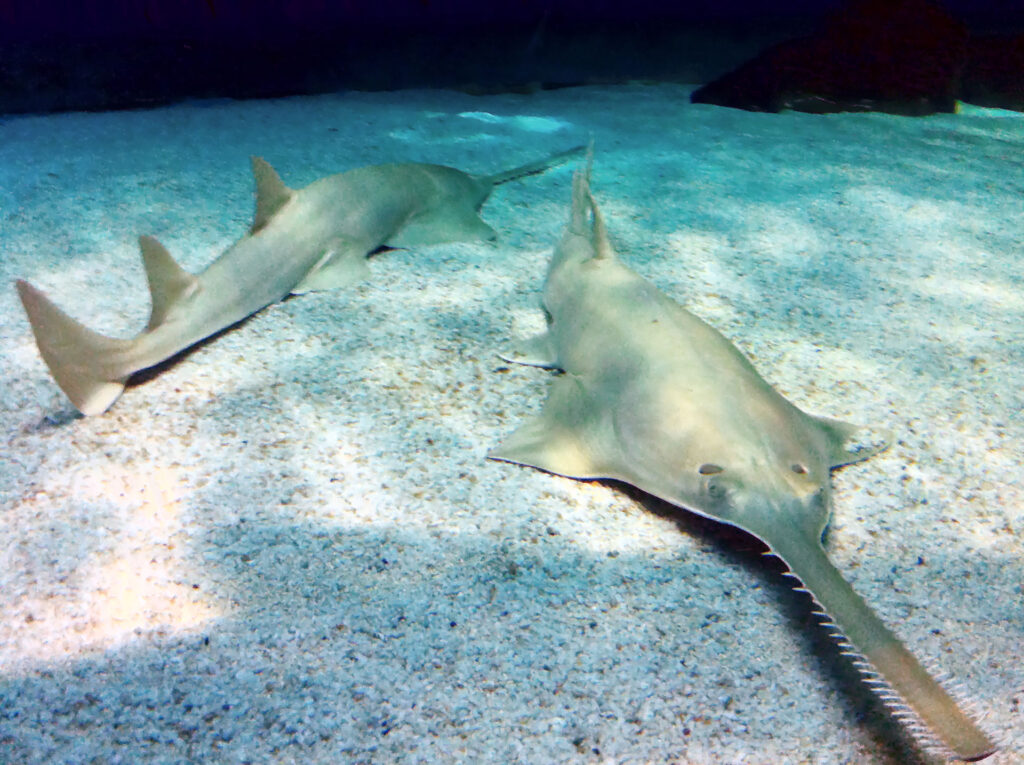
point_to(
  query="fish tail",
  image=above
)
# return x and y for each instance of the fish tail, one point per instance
(532, 168)
(92, 369)
(78, 358)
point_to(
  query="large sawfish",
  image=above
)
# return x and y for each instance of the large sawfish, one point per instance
(653, 396)
(314, 238)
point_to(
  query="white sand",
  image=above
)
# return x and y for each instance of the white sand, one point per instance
(289, 547)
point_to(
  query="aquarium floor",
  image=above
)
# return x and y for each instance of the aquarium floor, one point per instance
(288, 546)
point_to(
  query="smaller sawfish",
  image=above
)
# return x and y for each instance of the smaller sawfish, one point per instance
(314, 238)
(653, 396)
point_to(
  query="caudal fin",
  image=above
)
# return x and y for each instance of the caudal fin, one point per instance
(532, 168)
(80, 360)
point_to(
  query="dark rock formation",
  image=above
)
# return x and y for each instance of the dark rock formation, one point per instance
(994, 73)
(897, 56)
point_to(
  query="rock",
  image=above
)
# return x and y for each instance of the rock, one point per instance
(994, 74)
(896, 56)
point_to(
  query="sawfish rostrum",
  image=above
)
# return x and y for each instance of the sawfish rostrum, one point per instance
(653, 396)
(314, 238)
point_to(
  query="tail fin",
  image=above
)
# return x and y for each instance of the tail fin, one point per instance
(532, 168)
(79, 359)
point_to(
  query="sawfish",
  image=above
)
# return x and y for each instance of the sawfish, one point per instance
(653, 396)
(315, 238)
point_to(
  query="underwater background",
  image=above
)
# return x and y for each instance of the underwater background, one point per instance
(288, 546)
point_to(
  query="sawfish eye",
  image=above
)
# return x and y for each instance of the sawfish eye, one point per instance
(709, 468)
(799, 469)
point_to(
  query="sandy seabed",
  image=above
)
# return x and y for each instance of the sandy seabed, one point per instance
(288, 546)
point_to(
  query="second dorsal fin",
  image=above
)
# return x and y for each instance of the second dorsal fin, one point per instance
(271, 193)
(169, 283)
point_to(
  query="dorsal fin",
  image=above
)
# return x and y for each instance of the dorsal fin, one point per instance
(168, 282)
(602, 245)
(599, 232)
(271, 193)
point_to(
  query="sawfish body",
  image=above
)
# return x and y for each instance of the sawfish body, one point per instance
(653, 396)
(318, 237)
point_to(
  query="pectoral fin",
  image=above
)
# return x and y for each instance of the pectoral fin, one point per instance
(849, 443)
(563, 439)
(537, 351)
(450, 223)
